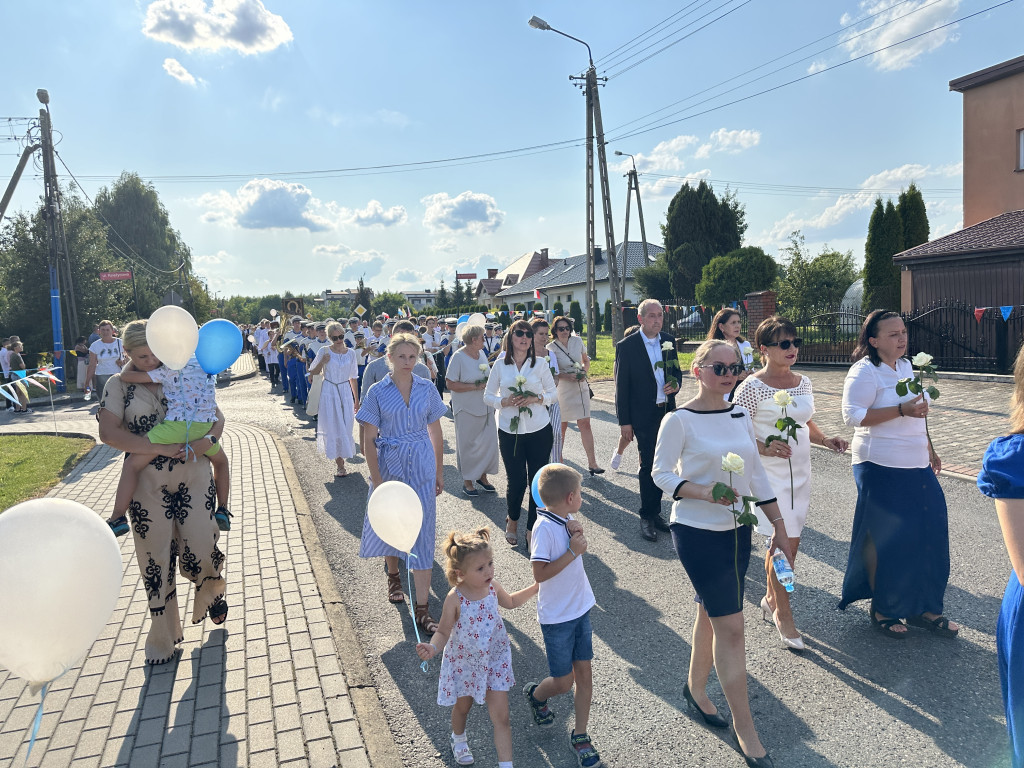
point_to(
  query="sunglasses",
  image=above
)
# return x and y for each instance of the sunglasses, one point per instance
(520, 334)
(560, 328)
(786, 344)
(721, 369)
(335, 338)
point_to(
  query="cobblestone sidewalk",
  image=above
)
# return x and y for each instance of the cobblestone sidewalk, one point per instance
(266, 689)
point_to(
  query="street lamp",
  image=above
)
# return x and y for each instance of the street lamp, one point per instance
(633, 183)
(594, 121)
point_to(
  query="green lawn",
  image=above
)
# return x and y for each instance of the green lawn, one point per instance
(601, 367)
(30, 465)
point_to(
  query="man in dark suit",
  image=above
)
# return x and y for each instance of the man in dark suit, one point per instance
(642, 398)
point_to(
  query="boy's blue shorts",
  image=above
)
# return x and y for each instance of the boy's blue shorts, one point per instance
(567, 642)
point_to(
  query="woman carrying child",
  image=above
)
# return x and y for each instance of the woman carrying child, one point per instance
(477, 661)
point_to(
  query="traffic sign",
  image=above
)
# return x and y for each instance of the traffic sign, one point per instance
(360, 310)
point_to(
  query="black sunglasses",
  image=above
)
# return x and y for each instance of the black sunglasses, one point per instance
(335, 338)
(560, 328)
(786, 343)
(520, 334)
(721, 369)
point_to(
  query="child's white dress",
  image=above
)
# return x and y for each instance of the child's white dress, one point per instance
(478, 656)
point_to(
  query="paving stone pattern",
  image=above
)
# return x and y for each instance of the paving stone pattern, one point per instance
(266, 689)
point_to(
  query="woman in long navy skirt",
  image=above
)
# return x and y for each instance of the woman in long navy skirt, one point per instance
(899, 551)
(1002, 478)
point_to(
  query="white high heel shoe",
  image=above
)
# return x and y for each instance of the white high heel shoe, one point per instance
(792, 643)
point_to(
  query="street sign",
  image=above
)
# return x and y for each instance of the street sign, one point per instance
(465, 275)
(108, 276)
(360, 310)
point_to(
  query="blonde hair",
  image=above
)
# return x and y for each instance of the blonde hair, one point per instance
(471, 332)
(1017, 400)
(335, 326)
(705, 350)
(556, 482)
(398, 340)
(134, 335)
(459, 545)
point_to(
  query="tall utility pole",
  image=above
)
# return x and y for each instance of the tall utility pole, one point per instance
(51, 214)
(594, 121)
(633, 183)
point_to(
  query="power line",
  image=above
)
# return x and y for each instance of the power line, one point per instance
(797, 190)
(644, 33)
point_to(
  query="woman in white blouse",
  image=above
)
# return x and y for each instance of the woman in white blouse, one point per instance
(714, 550)
(519, 387)
(899, 549)
(728, 326)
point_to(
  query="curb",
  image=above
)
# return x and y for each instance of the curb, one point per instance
(377, 738)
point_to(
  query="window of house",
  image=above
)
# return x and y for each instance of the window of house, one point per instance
(1020, 150)
(568, 297)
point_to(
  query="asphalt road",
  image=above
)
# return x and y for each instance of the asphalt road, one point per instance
(853, 698)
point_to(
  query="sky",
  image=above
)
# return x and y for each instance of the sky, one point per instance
(298, 146)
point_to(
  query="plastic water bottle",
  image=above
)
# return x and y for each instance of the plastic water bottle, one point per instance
(783, 570)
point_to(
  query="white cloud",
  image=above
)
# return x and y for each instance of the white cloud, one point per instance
(270, 204)
(816, 66)
(174, 68)
(475, 213)
(666, 156)
(732, 142)
(666, 188)
(353, 264)
(245, 26)
(213, 258)
(445, 245)
(907, 20)
(412, 276)
(375, 215)
(272, 99)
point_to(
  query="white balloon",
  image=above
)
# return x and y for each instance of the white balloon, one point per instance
(60, 578)
(251, 338)
(396, 514)
(477, 318)
(459, 329)
(172, 335)
(273, 313)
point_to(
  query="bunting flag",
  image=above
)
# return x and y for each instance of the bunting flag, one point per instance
(1007, 311)
(702, 308)
(735, 305)
(744, 305)
(9, 396)
(32, 380)
(979, 312)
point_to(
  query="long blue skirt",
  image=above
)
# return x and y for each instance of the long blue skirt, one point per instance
(903, 512)
(1010, 648)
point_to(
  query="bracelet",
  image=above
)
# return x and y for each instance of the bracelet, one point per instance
(773, 522)
(899, 407)
(569, 547)
(433, 646)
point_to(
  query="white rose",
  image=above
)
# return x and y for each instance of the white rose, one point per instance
(732, 463)
(667, 346)
(520, 380)
(921, 359)
(783, 398)
(484, 368)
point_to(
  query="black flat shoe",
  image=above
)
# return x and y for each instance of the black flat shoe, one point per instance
(596, 471)
(714, 721)
(659, 524)
(647, 530)
(487, 487)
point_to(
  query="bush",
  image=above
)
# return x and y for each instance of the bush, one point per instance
(538, 306)
(608, 315)
(520, 308)
(576, 313)
(558, 308)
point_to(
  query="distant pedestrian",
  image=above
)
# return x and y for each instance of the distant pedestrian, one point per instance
(1002, 478)
(541, 335)
(5, 359)
(728, 326)
(339, 398)
(476, 433)
(106, 356)
(899, 548)
(17, 364)
(573, 389)
(82, 356)
(477, 661)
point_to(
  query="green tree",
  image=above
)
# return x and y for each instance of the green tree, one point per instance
(699, 227)
(538, 306)
(608, 316)
(441, 298)
(729, 278)
(654, 281)
(520, 308)
(458, 295)
(387, 302)
(881, 276)
(558, 308)
(576, 313)
(810, 284)
(913, 216)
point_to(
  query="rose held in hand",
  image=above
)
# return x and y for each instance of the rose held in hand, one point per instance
(732, 462)
(783, 399)
(921, 359)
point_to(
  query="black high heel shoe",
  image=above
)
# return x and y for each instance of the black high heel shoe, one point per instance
(713, 721)
(765, 761)
(595, 471)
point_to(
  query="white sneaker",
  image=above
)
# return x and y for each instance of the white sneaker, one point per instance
(616, 460)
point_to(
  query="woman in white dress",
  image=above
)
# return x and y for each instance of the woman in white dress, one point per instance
(728, 326)
(476, 430)
(339, 398)
(779, 346)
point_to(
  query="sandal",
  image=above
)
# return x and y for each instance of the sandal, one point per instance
(885, 626)
(395, 593)
(424, 620)
(219, 611)
(460, 749)
(119, 526)
(939, 625)
(222, 517)
(510, 536)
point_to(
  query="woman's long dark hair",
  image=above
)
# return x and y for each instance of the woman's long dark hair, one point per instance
(724, 315)
(869, 331)
(506, 343)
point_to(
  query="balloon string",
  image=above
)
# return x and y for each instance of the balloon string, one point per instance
(37, 721)
(415, 626)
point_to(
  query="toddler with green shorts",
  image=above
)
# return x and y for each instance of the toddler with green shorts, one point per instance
(191, 396)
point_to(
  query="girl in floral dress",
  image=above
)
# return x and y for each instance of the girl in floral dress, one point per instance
(477, 661)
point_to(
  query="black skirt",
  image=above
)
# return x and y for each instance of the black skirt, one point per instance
(716, 562)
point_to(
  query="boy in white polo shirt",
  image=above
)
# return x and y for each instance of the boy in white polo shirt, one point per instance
(563, 606)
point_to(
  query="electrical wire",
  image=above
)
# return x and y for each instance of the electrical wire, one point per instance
(797, 190)
(645, 33)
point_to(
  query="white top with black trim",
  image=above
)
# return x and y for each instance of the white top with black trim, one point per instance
(566, 595)
(690, 448)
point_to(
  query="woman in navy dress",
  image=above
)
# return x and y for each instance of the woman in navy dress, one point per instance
(899, 550)
(400, 415)
(1002, 478)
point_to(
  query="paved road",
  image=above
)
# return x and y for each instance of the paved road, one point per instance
(853, 698)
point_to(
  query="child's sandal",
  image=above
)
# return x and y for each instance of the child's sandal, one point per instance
(460, 750)
(424, 620)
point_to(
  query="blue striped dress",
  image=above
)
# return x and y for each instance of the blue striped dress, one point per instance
(404, 453)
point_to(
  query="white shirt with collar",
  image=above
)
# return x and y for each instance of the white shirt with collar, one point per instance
(653, 347)
(538, 380)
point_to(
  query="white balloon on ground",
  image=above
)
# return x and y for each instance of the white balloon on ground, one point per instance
(396, 514)
(172, 336)
(60, 579)
(477, 318)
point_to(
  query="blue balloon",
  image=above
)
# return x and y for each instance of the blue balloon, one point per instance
(535, 490)
(464, 318)
(220, 344)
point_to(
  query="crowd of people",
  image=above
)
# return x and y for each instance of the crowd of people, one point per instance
(733, 459)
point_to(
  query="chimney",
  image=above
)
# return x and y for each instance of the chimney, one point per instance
(492, 274)
(597, 254)
(543, 258)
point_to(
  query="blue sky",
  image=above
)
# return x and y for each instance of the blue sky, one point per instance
(244, 113)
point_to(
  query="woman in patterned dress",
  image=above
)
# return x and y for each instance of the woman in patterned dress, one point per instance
(776, 339)
(400, 415)
(173, 507)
